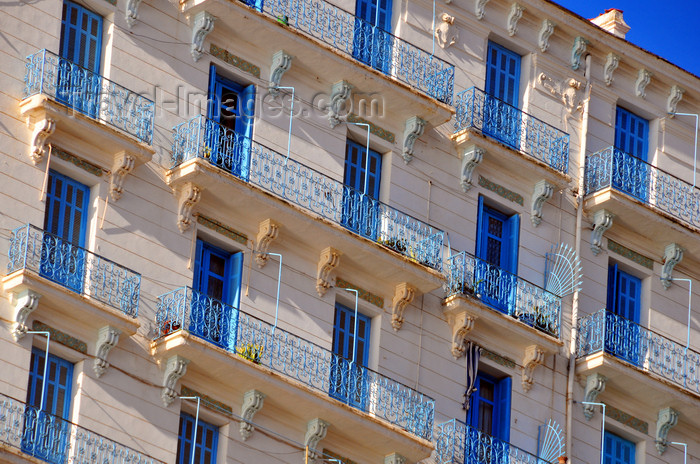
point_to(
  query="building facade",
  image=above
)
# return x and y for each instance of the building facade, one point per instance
(375, 232)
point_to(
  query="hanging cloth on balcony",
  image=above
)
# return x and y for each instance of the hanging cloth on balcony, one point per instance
(472, 354)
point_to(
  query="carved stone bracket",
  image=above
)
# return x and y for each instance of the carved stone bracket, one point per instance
(480, 8)
(673, 254)
(187, 200)
(202, 25)
(395, 458)
(471, 157)
(577, 51)
(546, 32)
(340, 92)
(315, 432)
(611, 63)
(461, 322)
(252, 403)
(281, 62)
(132, 12)
(667, 419)
(414, 129)
(640, 85)
(534, 356)
(41, 131)
(123, 165)
(329, 260)
(595, 384)
(403, 296)
(25, 303)
(107, 338)
(175, 368)
(445, 32)
(602, 221)
(674, 97)
(267, 233)
(543, 192)
(514, 15)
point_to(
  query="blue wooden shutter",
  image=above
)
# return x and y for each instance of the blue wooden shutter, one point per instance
(612, 288)
(356, 164)
(367, 10)
(502, 409)
(212, 101)
(59, 381)
(618, 450)
(513, 231)
(502, 74)
(479, 227)
(207, 441)
(631, 133)
(234, 284)
(628, 296)
(67, 203)
(344, 334)
(81, 36)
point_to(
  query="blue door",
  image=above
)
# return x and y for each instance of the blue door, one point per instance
(217, 286)
(79, 80)
(497, 252)
(486, 442)
(47, 431)
(501, 118)
(373, 42)
(348, 380)
(65, 220)
(206, 442)
(622, 333)
(618, 450)
(631, 174)
(229, 131)
(361, 210)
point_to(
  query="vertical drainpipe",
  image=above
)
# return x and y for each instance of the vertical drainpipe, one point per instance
(579, 230)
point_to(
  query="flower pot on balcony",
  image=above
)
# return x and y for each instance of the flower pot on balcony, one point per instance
(169, 327)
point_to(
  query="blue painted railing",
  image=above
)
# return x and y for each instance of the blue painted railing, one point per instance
(459, 443)
(89, 93)
(504, 291)
(646, 183)
(509, 125)
(308, 188)
(641, 347)
(54, 440)
(75, 268)
(369, 44)
(295, 357)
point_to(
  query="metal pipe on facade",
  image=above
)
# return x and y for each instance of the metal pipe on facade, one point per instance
(354, 338)
(196, 423)
(690, 299)
(291, 115)
(277, 301)
(366, 153)
(602, 430)
(685, 450)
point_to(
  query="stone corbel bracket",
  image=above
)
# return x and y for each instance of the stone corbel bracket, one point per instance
(666, 420)
(640, 85)
(252, 403)
(123, 165)
(480, 8)
(602, 221)
(595, 384)
(281, 62)
(414, 128)
(546, 32)
(471, 157)
(577, 51)
(329, 260)
(611, 63)
(445, 32)
(674, 98)
(395, 458)
(340, 93)
(543, 192)
(107, 338)
(514, 15)
(41, 131)
(25, 303)
(534, 356)
(403, 296)
(175, 368)
(461, 323)
(673, 254)
(187, 200)
(315, 432)
(202, 25)
(267, 233)
(132, 12)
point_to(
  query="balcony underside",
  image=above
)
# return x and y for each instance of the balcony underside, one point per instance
(11, 455)
(377, 268)
(289, 400)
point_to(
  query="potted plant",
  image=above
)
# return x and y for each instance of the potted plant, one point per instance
(251, 352)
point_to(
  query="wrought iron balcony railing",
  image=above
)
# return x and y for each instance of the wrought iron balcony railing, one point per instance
(369, 44)
(503, 291)
(509, 125)
(57, 441)
(641, 347)
(89, 93)
(648, 184)
(459, 443)
(308, 188)
(75, 268)
(294, 357)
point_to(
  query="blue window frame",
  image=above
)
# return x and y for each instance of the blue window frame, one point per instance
(618, 450)
(360, 208)
(624, 300)
(217, 281)
(63, 257)
(373, 41)
(631, 133)
(489, 412)
(205, 446)
(502, 119)
(46, 432)
(231, 107)
(631, 175)
(497, 249)
(348, 380)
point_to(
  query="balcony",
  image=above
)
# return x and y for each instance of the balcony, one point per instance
(25, 430)
(244, 352)
(459, 443)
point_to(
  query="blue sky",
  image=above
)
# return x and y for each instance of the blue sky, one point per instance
(668, 28)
